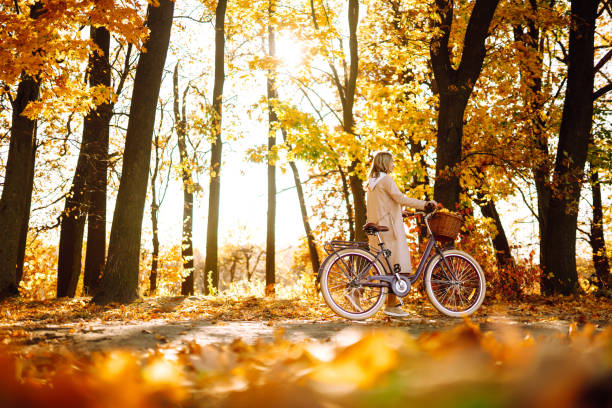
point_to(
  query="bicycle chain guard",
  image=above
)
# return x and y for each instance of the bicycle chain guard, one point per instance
(400, 286)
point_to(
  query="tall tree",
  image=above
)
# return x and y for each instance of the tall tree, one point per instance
(119, 281)
(559, 267)
(531, 74)
(312, 246)
(24, 226)
(211, 267)
(87, 196)
(99, 122)
(154, 219)
(346, 89)
(349, 120)
(272, 128)
(17, 189)
(92, 158)
(598, 243)
(454, 87)
(180, 119)
(503, 255)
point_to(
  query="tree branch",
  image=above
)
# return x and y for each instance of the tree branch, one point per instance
(126, 70)
(603, 61)
(602, 91)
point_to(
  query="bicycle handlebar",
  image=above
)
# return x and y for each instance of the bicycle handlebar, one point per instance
(406, 214)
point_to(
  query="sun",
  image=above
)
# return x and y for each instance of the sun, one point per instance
(290, 53)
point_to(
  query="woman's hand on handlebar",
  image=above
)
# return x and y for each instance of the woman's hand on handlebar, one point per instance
(408, 213)
(431, 206)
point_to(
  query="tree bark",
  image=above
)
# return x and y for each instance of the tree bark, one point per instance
(155, 254)
(187, 286)
(23, 238)
(598, 243)
(534, 104)
(454, 87)
(312, 247)
(98, 121)
(559, 269)
(88, 186)
(119, 281)
(211, 265)
(272, 127)
(355, 181)
(503, 255)
(347, 203)
(154, 220)
(17, 191)
(72, 227)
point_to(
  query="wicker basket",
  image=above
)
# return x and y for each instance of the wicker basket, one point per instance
(445, 226)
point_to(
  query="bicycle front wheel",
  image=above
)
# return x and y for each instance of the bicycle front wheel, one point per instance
(455, 287)
(342, 282)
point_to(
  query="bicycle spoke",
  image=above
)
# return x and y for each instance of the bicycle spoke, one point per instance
(342, 274)
(342, 264)
(458, 288)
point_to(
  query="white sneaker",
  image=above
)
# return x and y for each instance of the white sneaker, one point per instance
(395, 311)
(355, 299)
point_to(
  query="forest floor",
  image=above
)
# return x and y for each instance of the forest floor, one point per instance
(230, 352)
(78, 325)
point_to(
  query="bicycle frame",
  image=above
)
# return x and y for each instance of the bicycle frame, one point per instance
(423, 262)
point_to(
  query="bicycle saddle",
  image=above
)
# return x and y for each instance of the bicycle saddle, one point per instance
(372, 228)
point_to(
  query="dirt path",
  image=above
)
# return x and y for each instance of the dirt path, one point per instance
(140, 336)
(78, 325)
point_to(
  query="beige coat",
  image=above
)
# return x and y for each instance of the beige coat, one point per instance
(384, 204)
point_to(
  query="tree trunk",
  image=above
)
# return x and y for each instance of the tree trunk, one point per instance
(347, 202)
(211, 267)
(247, 260)
(72, 227)
(312, 247)
(154, 222)
(534, 104)
(359, 202)
(23, 238)
(17, 191)
(454, 86)
(272, 124)
(120, 278)
(99, 122)
(90, 171)
(355, 181)
(155, 254)
(503, 255)
(233, 270)
(559, 269)
(598, 243)
(187, 286)
(448, 149)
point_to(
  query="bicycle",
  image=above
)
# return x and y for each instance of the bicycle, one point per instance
(354, 280)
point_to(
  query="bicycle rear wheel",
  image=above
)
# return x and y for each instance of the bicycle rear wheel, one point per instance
(342, 282)
(459, 291)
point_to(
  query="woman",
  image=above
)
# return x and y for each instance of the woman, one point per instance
(384, 204)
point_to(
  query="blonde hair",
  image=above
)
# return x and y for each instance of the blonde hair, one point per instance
(381, 164)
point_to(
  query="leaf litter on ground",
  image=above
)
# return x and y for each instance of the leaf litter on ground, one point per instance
(462, 366)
